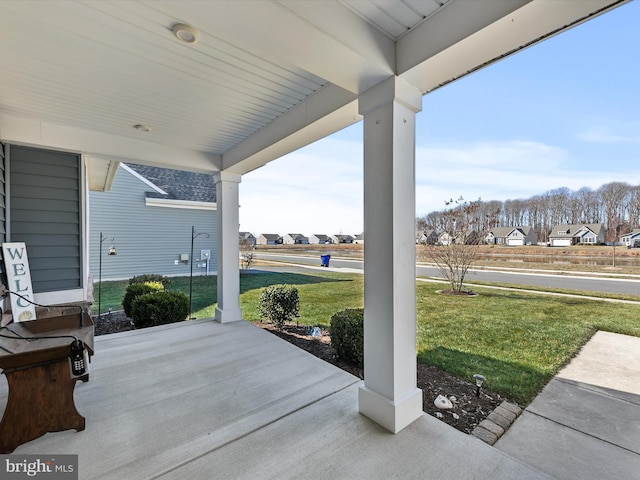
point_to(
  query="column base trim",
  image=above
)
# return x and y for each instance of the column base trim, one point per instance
(390, 414)
(228, 316)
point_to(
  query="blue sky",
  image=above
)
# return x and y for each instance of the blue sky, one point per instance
(563, 113)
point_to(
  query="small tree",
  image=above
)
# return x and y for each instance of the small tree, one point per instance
(246, 254)
(459, 246)
(279, 304)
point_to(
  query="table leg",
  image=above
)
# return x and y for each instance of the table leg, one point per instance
(40, 400)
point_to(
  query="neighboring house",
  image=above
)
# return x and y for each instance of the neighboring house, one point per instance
(444, 239)
(319, 239)
(579, 234)
(512, 236)
(470, 238)
(268, 239)
(427, 237)
(295, 239)
(148, 216)
(359, 239)
(340, 238)
(247, 238)
(631, 239)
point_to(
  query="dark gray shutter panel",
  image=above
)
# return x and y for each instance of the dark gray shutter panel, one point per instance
(45, 213)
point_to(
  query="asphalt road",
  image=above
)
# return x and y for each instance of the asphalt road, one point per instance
(564, 281)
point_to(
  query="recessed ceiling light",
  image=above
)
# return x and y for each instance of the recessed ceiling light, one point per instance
(185, 33)
(142, 128)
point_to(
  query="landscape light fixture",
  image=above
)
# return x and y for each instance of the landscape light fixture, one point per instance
(479, 381)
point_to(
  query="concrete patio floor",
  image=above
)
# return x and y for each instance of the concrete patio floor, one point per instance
(586, 422)
(203, 400)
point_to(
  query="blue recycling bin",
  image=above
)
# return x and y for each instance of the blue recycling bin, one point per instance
(325, 260)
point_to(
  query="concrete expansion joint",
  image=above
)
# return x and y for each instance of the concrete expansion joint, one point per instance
(497, 422)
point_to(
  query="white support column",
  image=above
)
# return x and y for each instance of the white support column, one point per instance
(228, 251)
(389, 395)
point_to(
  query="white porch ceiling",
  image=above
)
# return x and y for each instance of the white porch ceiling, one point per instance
(265, 78)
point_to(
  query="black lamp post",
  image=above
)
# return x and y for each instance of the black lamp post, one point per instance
(193, 236)
(112, 251)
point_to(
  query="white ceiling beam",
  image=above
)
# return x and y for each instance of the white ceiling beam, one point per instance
(37, 133)
(323, 38)
(445, 60)
(327, 111)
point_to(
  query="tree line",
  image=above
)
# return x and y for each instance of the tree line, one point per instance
(615, 204)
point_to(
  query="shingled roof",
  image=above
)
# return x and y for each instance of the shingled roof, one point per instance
(179, 185)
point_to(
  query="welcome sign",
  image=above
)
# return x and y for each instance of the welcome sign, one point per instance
(16, 265)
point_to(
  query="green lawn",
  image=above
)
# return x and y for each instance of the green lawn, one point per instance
(517, 340)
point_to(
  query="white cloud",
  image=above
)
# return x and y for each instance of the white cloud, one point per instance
(498, 171)
(606, 135)
(315, 190)
(319, 189)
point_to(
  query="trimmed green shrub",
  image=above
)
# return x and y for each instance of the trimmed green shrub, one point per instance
(347, 334)
(135, 290)
(150, 277)
(159, 308)
(279, 304)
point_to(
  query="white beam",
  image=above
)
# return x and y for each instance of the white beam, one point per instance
(325, 112)
(332, 43)
(429, 57)
(42, 134)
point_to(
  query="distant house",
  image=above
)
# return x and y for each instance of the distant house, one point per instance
(444, 239)
(359, 239)
(268, 239)
(319, 239)
(340, 238)
(295, 239)
(148, 215)
(427, 237)
(631, 239)
(577, 234)
(247, 238)
(511, 236)
(469, 238)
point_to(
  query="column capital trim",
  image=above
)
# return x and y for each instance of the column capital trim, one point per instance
(227, 177)
(393, 89)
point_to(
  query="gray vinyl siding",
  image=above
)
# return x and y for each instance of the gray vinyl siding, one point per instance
(45, 213)
(148, 239)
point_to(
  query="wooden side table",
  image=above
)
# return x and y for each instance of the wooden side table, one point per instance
(40, 398)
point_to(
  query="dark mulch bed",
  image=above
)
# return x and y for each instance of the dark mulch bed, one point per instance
(467, 412)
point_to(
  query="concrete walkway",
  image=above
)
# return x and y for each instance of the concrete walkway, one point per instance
(585, 424)
(201, 400)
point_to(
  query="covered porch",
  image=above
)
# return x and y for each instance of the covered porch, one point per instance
(224, 87)
(203, 400)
